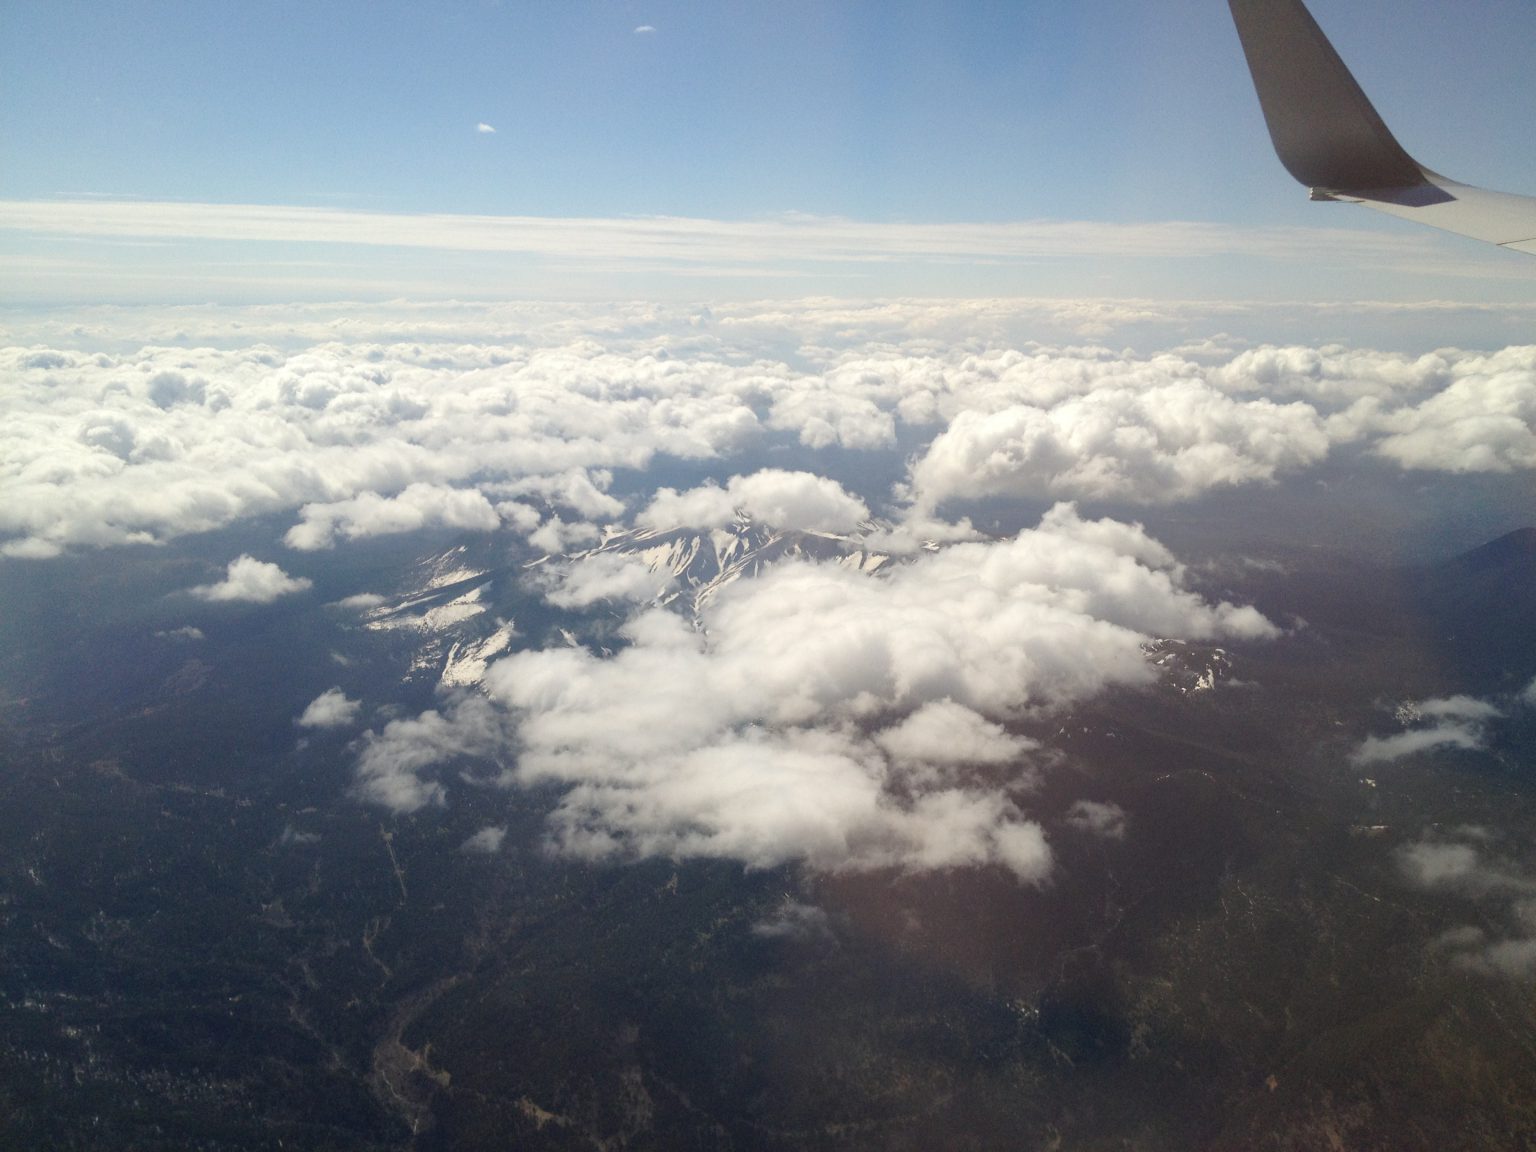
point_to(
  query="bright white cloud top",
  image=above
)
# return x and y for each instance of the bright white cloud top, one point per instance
(252, 581)
(360, 434)
(330, 709)
(796, 500)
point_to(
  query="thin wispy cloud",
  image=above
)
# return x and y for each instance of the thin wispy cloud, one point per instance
(644, 30)
(779, 240)
(485, 129)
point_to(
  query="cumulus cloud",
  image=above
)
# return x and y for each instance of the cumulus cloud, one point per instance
(1159, 445)
(389, 767)
(580, 490)
(827, 417)
(382, 422)
(824, 715)
(369, 514)
(799, 501)
(606, 576)
(330, 709)
(644, 30)
(88, 459)
(555, 536)
(251, 580)
(1484, 424)
(942, 735)
(485, 129)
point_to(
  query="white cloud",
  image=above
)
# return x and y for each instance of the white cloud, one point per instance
(1454, 722)
(361, 601)
(555, 536)
(824, 417)
(1457, 708)
(186, 632)
(1376, 749)
(389, 767)
(941, 736)
(606, 576)
(330, 709)
(799, 501)
(580, 490)
(1482, 423)
(1437, 865)
(252, 580)
(1164, 444)
(1504, 890)
(707, 506)
(31, 548)
(1529, 695)
(644, 30)
(487, 841)
(485, 129)
(396, 420)
(799, 237)
(333, 426)
(369, 514)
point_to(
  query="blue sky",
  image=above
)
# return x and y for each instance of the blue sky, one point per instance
(892, 114)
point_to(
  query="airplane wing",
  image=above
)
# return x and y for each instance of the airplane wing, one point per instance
(1331, 139)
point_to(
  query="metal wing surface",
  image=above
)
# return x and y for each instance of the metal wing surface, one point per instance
(1331, 138)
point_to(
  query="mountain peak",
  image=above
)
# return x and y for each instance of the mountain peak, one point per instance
(1517, 547)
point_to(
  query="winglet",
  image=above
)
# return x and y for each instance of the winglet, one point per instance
(1330, 138)
(1323, 126)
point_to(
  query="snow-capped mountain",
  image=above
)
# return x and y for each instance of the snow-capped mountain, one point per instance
(447, 605)
(1188, 667)
(460, 621)
(702, 561)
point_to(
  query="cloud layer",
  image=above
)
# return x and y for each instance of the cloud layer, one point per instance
(359, 436)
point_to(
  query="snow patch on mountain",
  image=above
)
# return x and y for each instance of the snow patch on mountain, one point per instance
(438, 618)
(702, 562)
(468, 660)
(1187, 667)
